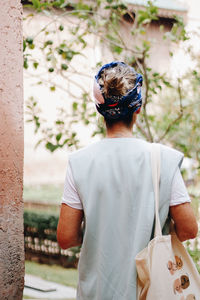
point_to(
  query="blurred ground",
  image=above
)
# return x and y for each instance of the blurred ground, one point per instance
(56, 291)
(50, 276)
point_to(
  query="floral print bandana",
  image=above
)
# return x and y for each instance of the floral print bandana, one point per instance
(117, 107)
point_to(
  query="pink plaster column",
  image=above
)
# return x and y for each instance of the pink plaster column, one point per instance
(11, 152)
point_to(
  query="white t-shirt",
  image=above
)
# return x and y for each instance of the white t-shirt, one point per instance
(179, 193)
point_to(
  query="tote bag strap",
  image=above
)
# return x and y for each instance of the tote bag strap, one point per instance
(155, 166)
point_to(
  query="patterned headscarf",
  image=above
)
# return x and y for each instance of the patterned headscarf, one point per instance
(117, 107)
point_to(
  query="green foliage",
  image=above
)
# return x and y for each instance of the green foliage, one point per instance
(57, 136)
(40, 227)
(33, 113)
(148, 15)
(39, 5)
(36, 4)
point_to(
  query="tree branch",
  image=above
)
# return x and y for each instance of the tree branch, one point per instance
(179, 115)
(150, 137)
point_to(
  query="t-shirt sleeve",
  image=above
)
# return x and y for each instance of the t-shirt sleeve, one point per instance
(179, 193)
(70, 194)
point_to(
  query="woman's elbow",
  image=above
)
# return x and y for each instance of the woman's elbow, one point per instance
(63, 241)
(194, 231)
(185, 221)
(67, 241)
(63, 244)
(188, 233)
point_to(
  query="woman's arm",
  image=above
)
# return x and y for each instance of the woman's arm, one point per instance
(69, 233)
(186, 226)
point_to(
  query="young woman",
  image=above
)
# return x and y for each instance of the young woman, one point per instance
(109, 185)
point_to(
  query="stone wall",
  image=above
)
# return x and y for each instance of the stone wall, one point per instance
(11, 152)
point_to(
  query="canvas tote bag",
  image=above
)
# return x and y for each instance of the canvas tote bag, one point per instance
(165, 269)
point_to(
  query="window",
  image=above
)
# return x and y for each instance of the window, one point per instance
(129, 17)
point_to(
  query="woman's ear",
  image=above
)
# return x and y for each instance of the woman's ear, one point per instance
(138, 111)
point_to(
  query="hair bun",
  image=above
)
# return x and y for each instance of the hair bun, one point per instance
(117, 81)
(114, 86)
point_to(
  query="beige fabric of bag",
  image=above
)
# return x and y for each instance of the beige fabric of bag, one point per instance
(165, 269)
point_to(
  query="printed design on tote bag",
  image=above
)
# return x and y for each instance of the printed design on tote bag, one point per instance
(179, 262)
(181, 284)
(174, 266)
(185, 282)
(177, 286)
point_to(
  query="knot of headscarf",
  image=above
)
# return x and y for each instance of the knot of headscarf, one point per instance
(117, 107)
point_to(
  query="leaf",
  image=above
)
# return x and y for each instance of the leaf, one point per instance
(93, 114)
(35, 64)
(84, 106)
(65, 141)
(117, 49)
(69, 54)
(167, 83)
(51, 146)
(61, 28)
(86, 122)
(25, 63)
(36, 4)
(29, 40)
(24, 45)
(47, 43)
(37, 123)
(59, 122)
(58, 136)
(75, 106)
(82, 41)
(31, 46)
(155, 74)
(64, 67)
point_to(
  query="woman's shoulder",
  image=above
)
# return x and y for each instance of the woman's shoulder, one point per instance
(171, 156)
(170, 150)
(85, 150)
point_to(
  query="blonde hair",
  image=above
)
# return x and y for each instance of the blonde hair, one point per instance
(117, 81)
